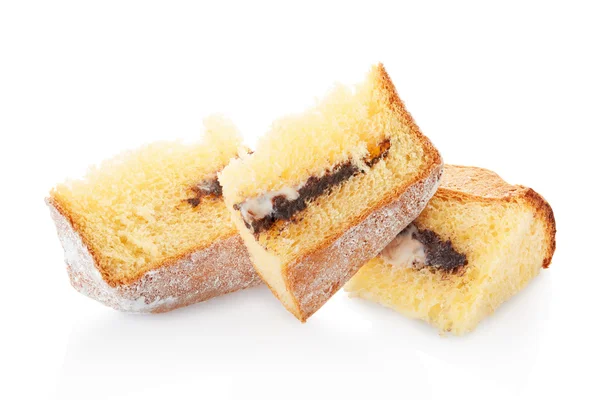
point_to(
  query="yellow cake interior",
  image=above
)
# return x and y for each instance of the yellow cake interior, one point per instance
(347, 125)
(505, 244)
(132, 210)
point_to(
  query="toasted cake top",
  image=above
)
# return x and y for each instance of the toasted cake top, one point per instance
(476, 181)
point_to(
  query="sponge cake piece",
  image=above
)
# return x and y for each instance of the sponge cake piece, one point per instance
(326, 190)
(148, 230)
(477, 243)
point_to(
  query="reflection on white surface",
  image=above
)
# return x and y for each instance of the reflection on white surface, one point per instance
(498, 356)
(247, 341)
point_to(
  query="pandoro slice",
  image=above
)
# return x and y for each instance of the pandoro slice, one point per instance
(478, 242)
(327, 189)
(148, 230)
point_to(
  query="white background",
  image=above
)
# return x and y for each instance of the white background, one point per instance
(511, 87)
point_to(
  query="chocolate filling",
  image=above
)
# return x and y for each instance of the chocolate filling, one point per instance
(438, 253)
(285, 209)
(382, 151)
(208, 187)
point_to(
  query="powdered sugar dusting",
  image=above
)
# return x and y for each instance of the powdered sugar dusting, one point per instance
(221, 268)
(315, 278)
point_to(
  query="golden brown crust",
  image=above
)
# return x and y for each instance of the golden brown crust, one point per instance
(475, 181)
(545, 213)
(196, 276)
(478, 184)
(397, 104)
(315, 277)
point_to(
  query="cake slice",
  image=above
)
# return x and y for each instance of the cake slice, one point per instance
(326, 190)
(477, 243)
(148, 230)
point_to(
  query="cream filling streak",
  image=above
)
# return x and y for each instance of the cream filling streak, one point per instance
(405, 251)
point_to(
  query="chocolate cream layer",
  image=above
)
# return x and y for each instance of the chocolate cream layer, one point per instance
(418, 248)
(262, 212)
(207, 187)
